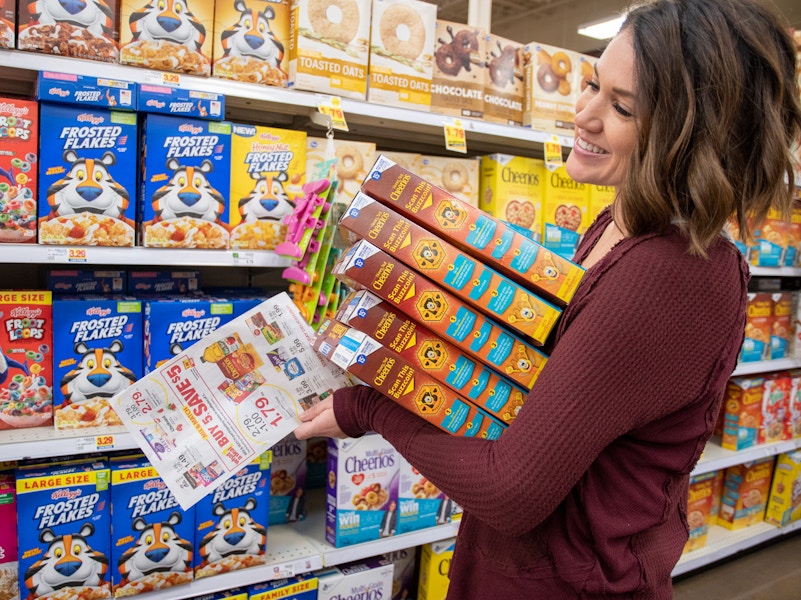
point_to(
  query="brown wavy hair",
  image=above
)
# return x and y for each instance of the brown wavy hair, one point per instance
(718, 108)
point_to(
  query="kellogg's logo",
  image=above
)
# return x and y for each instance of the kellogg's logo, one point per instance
(189, 128)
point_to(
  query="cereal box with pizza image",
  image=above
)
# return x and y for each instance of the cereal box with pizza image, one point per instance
(460, 176)
(152, 537)
(742, 412)
(699, 505)
(19, 138)
(185, 183)
(9, 584)
(758, 327)
(79, 29)
(26, 362)
(745, 493)
(784, 504)
(565, 207)
(251, 41)
(169, 35)
(88, 176)
(268, 167)
(64, 519)
(512, 188)
(8, 19)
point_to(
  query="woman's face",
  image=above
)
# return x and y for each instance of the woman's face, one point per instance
(606, 118)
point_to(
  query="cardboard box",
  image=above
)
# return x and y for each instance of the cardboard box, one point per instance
(601, 196)
(791, 254)
(717, 492)
(8, 19)
(299, 587)
(512, 188)
(457, 85)
(435, 563)
(745, 493)
(9, 579)
(85, 90)
(770, 241)
(742, 416)
(19, 122)
(758, 327)
(86, 281)
(504, 87)
(180, 102)
(699, 506)
(421, 503)
(795, 404)
(565, 207)
(459, 176)
(163, 282)
(552, 76)
(784, 504)
(781, 330)
(474, 231)
(370, 578)
(776, 399)
(405, 574)
(353, 163)
(288, 481)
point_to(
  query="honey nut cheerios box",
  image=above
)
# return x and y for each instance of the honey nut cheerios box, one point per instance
(770, 241)
(19, 137)
(459, 176)
(152, 538)
(26, 343)
(504, 80)
(565, 206)
(9, 565)
(64, 518)
(742, 412)
(553, 80)
(8, 19)
(745, 493)
(288, 481)
(167, 36)
(512, 188)
(601, 196)
(185, 183)
(457, 84)
(758, 327)
(699, 507)
(784, 504)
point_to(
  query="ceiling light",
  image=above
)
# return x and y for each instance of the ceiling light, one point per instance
(604, 29)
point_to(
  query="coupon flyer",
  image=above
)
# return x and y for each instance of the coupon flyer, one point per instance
(230, 397)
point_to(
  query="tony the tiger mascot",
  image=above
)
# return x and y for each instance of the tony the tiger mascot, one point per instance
(69, 562)
(188, 193)
(98, 375)
(252, 36)
(170, 21)
(235, 533)
(159, 550)
(267, 200)
(95, 15)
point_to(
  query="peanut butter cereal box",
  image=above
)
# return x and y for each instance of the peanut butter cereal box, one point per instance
(186, 176)
(26, 363)
(152, 536)
(551, 81)
(565, 207)
(362, 490)
(251, 39)
(457, 86)
(268, 167)
(329, 46)
(19, 154)
(288, 481)
(435, 563)
(781, 330)
(776, 408)
(401, 53)
(9, 565)
(459, 176)
(742, 416)
(784, 504)
(8, 19)
(512, 188)
(504, 82)
(421, 503)
(369, 578)
(175, 35)
(745, 493)
(758, 327)
(601, 196)
(88, 174)
(353, 164)
(231, 522)
(99, 354)
(79, 30)
(699, 505)
(64, 518)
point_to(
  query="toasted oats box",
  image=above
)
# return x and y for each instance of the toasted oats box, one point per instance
(167, 36)
(299, 587)
(231, 523)
(512, 188)
(181, 102)
(288, 481)
(742, 412)
(85, 90)
(470, 280)
(435, 563)
(421, 503)
(758, 327)
(776, 400)
(459, 176)
(362, 490)
(781, 330)
(268, 168)
(64, 518)
(457, 84)
(9, 566)
(79, 30)
(88, 173)
(369, 578)
(186, 174)
(251, 41)
(565, 208)
(98, 355)
(354, 160)
(8, 19)
(163, 282)
(504, 85)
(86, 281)
(152, 537)
(26, 341)
(699, 505)
(553, 78)
(745, 493)
(19, 139)
(474, 231)
(784, 504)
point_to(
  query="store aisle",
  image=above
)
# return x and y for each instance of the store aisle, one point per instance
(770, 573)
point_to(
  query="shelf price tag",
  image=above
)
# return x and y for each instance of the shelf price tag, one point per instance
(455, 137)
(163, 78)
(553, 153)
(332, 107)
(94, 443)
(243, 258)
(283, 571)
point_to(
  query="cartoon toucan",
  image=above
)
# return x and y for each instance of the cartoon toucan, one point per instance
(7, 363)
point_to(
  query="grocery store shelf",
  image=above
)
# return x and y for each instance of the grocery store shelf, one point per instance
(715, 457)
(766, 366)
(47, 442)
(776, 271)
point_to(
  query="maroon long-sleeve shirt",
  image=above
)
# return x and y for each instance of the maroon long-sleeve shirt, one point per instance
(585, 494)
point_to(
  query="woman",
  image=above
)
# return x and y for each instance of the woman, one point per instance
(690, 115)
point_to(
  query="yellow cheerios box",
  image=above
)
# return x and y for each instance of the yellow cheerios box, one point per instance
(565, 210)
(459, 176)
(699, 507)
(601, 196)
(251, 40)
(267, 174)
(435, 563)
(784, 503)
(745, 493)
(512, 188)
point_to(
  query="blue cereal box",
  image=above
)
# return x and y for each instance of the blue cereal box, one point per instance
(87, 176)
(181, 102)
(186, 177)
(163, 282)
(85, 90)
(98, 354)
(421, 503)
(86, 281)
(63, 524)
(152, 538)
(288, 481)
(299, 587)
(232, 522)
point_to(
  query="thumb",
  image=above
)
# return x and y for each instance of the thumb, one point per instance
(310, 413)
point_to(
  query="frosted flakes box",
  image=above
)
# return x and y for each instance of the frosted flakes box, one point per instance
(26, 364)
(19, 137)
(231, 522)
(503, 80)
(565, 204)
(175, 35)
(99, 354)
(288, 481)
(512, 188)
(745, 493)
(457, 84)
(64, 519)
(85, 90)
(268, 167)
(88, 174)
(299, 587)
(152, 538)
(181, 102)
(251, 41)
(8, 19)
(784, 504)
(186, 176)
(9, 566)
(421, 503)
(86, 281)
(369, 578)
(163, 282)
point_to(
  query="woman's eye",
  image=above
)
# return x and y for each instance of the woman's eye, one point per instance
(622, 111)
(593, 85)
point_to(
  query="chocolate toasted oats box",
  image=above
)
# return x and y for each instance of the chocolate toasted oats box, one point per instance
(457, 86)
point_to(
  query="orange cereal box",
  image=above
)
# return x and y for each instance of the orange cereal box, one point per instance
(784, 504)
(565, 212)
(745, 493)
(781, 332)
(775, 427)
(457, 86)
(758, 327)
(19, 145)
(791, 255)
(699, 506)
(717, 492)
(770, 241)
(512, 188)
(503, 81)
(742, 417)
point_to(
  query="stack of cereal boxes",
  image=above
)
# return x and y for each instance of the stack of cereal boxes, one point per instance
(18, 169)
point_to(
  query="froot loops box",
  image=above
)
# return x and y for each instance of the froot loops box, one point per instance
(19, 126)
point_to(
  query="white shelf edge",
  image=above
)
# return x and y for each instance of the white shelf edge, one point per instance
(716, 457)
(44, 442)
(776, 271)
(766, 366)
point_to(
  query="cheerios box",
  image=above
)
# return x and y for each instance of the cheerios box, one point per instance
(435, 563)
(231, 522)
(185, 182)
(457, 84)
(551, 81)
(88, 176)
(98, 354)
(19, 138)
(770, 241)
(504, 80)
(781, 330)
(64, 518)
(784, 504)
(474, 231)
(85, 90)
(368, 578)
(699, 506)
(86, 281)
(601, 196)
(9, 566)
(742, 412)
(8, 19)
(152, 537)
(404, 576)
(167, 36)
(758, 327)
(421, 503)
(565, 208)
(512, 188)
(776, 400)
(288, 481)
(361, 491)
(745, 493)
(268, 168)
(26, 340)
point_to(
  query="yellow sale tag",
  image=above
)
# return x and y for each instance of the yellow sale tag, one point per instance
(173, 79)
(455, 138)
(553, 153)
(332, 106)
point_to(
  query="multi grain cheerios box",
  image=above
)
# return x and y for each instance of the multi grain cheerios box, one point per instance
(288, 481)
(354, 160)
(8, 19)
(758, 327)
(457, 85)
(64, 519)
(552, 75)
(268, 167)
(186, 176)
(401, 53)
(152, 538)
(251, 41)
(435, 563)
(231, 522)
(745, 493)
(19, 137)
(512, 188)
(784, 504)
(362, 490)
(99, 354)
(742, 412)
(504, 85)
(369, 578)
(404, 577)
(9, 566)
(565, 206)
(421, 503)
(699, 506)
(459, 176)
(167, 36)
(88, 176)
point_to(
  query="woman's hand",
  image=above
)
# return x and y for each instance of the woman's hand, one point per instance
(319, 421)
